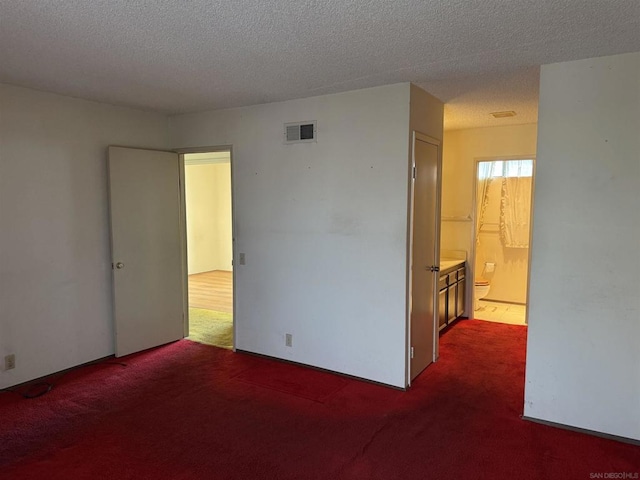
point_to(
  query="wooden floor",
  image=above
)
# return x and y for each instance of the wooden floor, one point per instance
(212, 290)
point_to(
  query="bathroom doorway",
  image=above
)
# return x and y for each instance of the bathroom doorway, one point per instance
(209, 240)
(502, 236)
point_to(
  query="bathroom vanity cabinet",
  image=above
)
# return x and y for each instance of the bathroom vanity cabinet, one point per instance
(451, 292)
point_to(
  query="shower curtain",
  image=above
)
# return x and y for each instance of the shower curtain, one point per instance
(515, 208)
(486, 172)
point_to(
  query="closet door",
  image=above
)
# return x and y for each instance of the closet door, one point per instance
(425, 254)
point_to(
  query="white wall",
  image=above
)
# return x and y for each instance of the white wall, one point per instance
(323, 226)
(55, 267)
(208, 205)
(460, 150)
(583, 360)
(426, 115)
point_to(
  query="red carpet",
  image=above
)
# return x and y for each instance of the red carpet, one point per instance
(295, 380)
(183, 412)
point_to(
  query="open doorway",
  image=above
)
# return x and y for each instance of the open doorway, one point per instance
(208, 206)
(502, 234)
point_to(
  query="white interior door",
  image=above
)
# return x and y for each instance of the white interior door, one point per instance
(425, 254)
(146, 248)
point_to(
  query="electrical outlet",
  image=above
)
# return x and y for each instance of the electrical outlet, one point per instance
(288, 340)
(242, 260)
(10, 361)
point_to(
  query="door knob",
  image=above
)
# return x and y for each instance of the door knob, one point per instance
(119, 265)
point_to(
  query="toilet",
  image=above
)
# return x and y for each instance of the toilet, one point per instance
(480, 290)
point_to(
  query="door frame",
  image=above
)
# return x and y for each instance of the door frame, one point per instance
(183, 210)
(415, 136)
(474, 210)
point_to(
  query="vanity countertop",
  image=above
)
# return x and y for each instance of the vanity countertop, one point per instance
(449, 264)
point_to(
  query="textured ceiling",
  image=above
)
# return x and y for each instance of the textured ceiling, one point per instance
(182, 56)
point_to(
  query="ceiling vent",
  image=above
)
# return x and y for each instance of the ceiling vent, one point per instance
(300, 132)
(509, 113)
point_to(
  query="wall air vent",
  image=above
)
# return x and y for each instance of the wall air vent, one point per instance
(506, 114)
(300, 132)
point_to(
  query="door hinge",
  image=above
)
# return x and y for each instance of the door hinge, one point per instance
(411, 352)
(413, 172)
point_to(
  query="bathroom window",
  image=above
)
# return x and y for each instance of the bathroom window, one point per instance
(508, 168)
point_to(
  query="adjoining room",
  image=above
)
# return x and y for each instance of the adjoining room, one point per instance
(209, 247)
(502, 230)
(487, 199)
